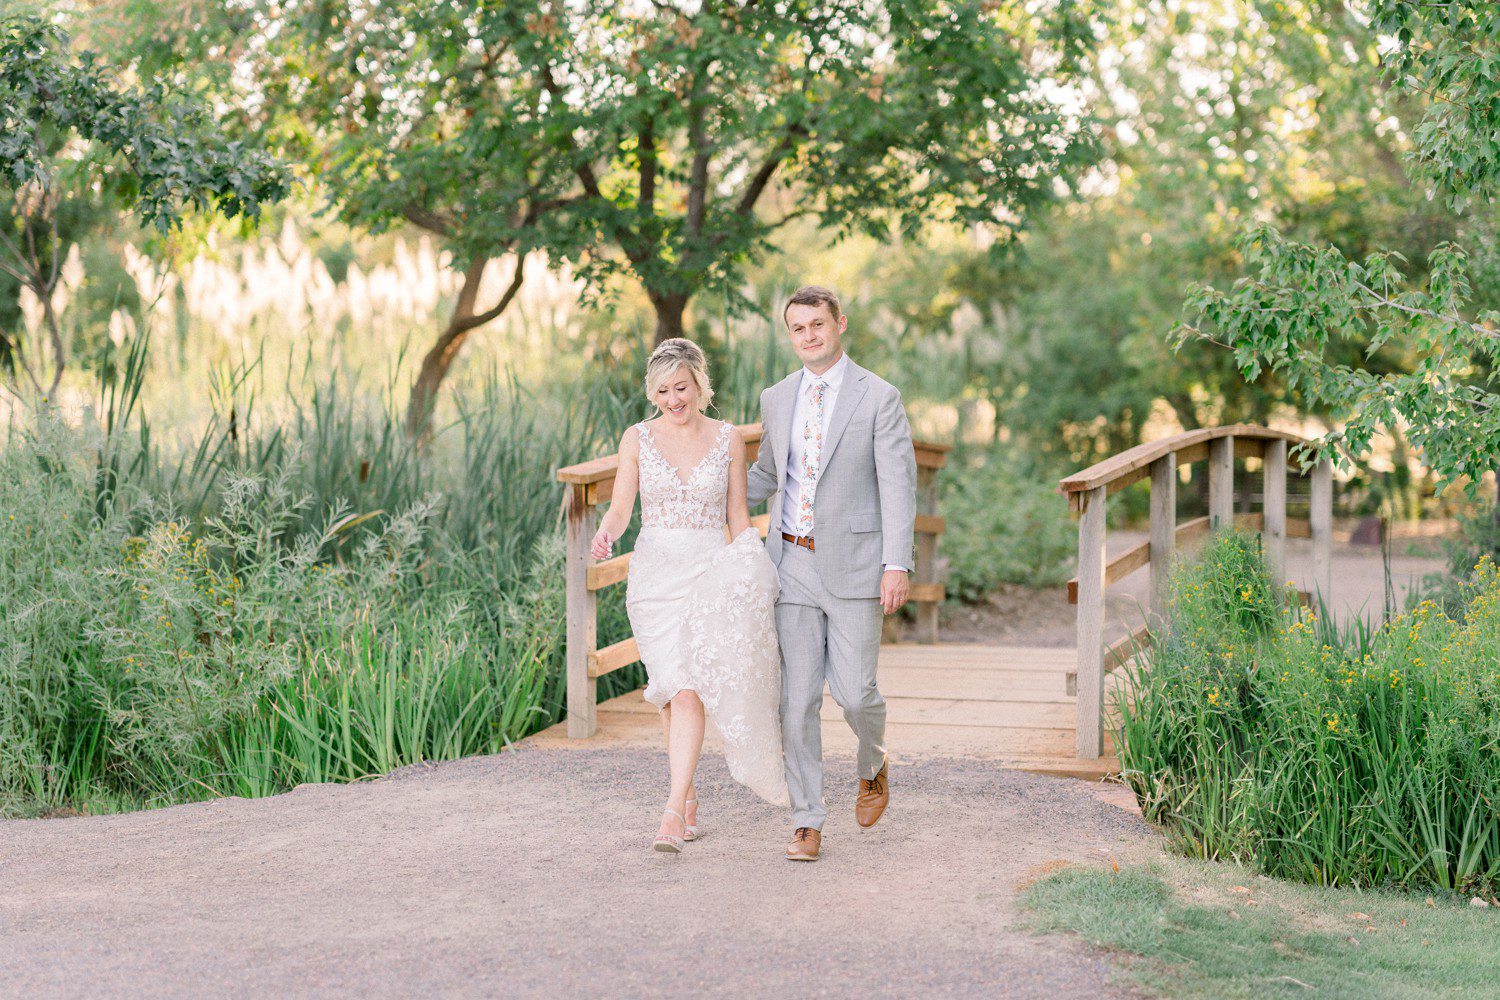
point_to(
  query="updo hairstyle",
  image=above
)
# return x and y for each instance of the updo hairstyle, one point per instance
(675, 353)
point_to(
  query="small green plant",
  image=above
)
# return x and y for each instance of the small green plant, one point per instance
(1478, 536)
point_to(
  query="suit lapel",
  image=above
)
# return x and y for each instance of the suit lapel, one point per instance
(783, 423)
(850, 393)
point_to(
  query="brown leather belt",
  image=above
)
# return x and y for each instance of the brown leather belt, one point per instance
(803, 540)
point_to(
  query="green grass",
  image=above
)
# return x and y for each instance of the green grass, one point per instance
(1192, 930)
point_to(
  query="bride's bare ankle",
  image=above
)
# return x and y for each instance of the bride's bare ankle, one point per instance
(671, 825)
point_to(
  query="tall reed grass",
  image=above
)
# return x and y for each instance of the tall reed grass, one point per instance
(1260, 731)
(151, 654)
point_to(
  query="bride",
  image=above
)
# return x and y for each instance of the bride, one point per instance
(702, 607)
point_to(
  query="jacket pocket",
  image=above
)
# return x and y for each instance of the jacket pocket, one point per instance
(864, 522)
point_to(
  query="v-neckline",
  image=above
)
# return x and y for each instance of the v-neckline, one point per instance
(693, 472)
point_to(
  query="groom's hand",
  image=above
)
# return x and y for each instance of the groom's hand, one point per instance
(894, 590)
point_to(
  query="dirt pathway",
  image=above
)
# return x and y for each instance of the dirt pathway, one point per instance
(529, 874)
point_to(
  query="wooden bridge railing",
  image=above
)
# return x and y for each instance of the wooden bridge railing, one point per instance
(587, 486)
(1158, 461)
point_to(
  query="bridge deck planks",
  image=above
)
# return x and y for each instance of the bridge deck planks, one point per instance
(1002, 703)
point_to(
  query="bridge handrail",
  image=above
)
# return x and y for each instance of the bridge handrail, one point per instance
(1120, 470)
(589, 484)
(1158, 460)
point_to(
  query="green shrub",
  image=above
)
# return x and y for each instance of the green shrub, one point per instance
(167, 663)
(1260, 732)
(1005, 525)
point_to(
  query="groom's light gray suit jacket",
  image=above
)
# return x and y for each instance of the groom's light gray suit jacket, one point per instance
(865, 507)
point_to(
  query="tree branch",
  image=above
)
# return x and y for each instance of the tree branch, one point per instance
(763, 176)
(697, 198)
(425, 218)
(788, 217)
(479, 319)
(584, 171)
(1389, 303)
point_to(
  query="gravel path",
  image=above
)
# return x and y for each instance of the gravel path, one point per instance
(529, 873)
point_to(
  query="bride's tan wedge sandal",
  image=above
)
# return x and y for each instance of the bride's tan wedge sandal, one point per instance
(693, 833)
(670, 844)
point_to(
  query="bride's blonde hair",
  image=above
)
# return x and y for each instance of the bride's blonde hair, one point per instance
(674, 353)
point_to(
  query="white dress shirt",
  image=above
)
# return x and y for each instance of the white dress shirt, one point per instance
(793, 491)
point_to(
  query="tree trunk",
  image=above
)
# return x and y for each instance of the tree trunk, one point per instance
(439, 359)
(669, 310)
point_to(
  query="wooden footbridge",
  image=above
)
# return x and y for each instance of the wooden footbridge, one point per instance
(1043, 709)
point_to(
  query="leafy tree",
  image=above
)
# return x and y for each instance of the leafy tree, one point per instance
(665, 144)
(1221, 114)
(1302, 301)
(1215, 114)
(74, 142)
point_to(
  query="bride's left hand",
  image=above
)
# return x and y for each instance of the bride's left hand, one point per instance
(602, 544)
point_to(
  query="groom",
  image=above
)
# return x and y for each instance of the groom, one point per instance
(837, 464)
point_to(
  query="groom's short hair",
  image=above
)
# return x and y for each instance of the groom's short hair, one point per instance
(812, 295)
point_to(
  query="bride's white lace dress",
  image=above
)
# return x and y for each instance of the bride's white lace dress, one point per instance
(703, 611)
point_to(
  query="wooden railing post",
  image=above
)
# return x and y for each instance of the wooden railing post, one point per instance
(925, 571)
(583, 618)
(1320, 521)
(1158, 460)
(1090, 706)
(1163, 529)
(1273, 525)
(1221, 481)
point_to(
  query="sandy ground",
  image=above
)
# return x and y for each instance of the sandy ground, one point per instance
(529, 873)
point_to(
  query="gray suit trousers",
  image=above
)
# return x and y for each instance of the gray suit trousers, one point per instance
(832, 638)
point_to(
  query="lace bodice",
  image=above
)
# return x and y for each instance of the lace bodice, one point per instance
(668, 501)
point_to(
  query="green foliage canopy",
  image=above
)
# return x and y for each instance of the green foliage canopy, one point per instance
(649, 143)
(78, 145)
(158, 150)
(1301, 300)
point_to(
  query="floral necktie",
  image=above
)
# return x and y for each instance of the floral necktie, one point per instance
(812, 455)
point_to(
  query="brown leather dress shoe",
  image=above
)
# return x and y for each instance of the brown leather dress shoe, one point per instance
(873, 796)
(805, 844)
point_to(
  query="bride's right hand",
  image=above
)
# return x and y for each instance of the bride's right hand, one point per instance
(602, 544)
